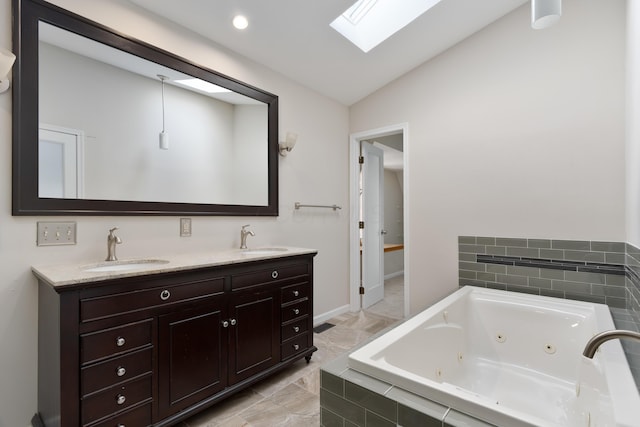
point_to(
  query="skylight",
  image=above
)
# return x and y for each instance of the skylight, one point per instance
(202, 85)
(367, 23)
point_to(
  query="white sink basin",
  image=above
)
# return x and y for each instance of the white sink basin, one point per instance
(110, 266)
(263, 251)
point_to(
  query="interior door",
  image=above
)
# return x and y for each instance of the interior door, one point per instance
(372, 214)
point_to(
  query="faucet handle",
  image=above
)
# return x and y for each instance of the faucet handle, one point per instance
(111, 230)
(245, 226)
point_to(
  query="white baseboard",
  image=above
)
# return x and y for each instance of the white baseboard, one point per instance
(392, 275)
(321, 318)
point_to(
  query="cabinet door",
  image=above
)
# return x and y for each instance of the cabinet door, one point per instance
(192, 349)
(254, 334)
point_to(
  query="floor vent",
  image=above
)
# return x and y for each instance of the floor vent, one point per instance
(323, 327)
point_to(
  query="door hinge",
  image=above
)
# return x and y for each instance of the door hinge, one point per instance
(361, 290)
(361, 160)
(361, 225)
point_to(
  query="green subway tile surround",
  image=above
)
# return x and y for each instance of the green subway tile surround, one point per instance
(585, 270)
(373, 403)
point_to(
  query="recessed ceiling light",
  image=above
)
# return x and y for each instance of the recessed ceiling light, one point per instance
(240, 22)
(202, 85)
(367, 23)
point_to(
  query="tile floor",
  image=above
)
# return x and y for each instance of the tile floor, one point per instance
(291, 398)
(393, 303)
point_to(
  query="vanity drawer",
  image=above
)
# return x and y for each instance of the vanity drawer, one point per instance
(110, 342)
(294, 292)
(136, 417)
(294, 346)
(125, 302)
(116, 370)
(294, 310)
(115, 399)
(262, 277)
(294, 328)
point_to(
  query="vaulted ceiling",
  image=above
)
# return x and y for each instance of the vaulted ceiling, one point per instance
(293, 37)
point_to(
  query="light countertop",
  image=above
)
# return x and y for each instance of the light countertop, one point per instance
(63, 275)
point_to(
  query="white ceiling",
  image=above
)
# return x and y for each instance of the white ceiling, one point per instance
(293, 37)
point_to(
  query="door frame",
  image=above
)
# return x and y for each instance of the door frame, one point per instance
(354, 201)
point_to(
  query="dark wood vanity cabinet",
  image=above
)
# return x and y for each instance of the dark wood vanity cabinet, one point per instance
(155, 349)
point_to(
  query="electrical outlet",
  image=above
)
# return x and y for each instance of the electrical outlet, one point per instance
(185, 227)
(56, 233)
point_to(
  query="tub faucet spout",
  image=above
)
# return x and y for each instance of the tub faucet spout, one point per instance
(243, 236)
(112, 241)
(602, 337)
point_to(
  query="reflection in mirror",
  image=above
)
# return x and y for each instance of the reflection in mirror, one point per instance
(87, 135)
(114, 99)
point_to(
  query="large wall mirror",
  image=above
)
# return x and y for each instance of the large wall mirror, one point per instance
(90, 105)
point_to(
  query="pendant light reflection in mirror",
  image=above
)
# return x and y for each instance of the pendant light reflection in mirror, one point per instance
(164, 136)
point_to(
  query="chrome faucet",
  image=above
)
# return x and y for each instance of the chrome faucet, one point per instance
(112, 241)
(243, 236)
(602, 337)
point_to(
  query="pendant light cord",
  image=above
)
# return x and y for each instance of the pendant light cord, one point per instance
(162, 78)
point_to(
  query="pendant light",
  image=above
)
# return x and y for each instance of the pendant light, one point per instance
(164, 136)
(545, 13)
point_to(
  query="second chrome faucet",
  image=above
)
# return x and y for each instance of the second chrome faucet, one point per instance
(243, 236)
(112, 241)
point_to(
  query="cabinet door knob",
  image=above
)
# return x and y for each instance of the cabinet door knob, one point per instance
(120, 341)
(296, 347)
(296, 311)
(120, 425)
(233, 322)
(225, 323)
(121, 371)
(296, 329)
(120, 399)
(274, 274)
(164, 295)
(296, 293)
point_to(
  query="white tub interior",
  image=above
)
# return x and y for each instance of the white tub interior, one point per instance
(510, 359)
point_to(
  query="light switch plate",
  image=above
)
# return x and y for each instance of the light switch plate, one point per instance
(185, 227)
(56, 233)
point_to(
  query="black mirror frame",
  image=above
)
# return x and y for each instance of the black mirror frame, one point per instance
(26, 15)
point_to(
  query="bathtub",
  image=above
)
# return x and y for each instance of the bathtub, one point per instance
(509, 359)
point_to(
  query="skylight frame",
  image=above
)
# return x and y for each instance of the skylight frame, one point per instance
(367, 23)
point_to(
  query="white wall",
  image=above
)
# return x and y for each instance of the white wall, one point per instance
(322, 125)
(633, 123)
(513, 132)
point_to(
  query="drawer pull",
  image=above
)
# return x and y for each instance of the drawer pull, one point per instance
(120, 399)
(164, 295)
(121, 371)
(274, 274)
(296, 311)
(233, 322)
(225, 323)
(120, 425)
(296, 293)
(120, 341)
(296, 347)
(296, 329)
